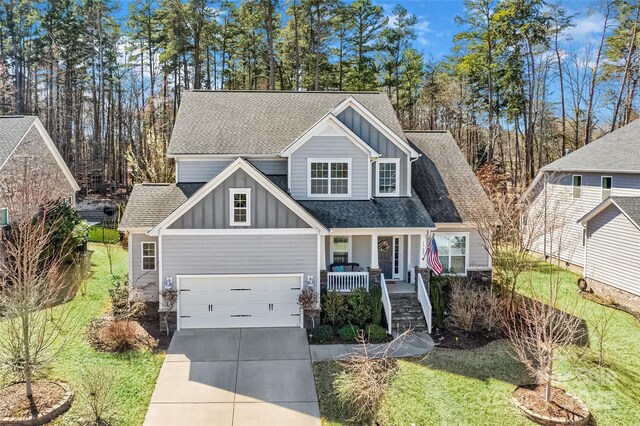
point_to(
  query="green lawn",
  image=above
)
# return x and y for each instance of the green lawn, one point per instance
(135, 372)
(474, 387)
(98, 234)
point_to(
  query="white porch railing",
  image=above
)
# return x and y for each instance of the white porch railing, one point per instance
(346, 282)
(386, 302)
(423, 297)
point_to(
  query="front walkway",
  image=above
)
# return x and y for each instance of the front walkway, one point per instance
(260, 376)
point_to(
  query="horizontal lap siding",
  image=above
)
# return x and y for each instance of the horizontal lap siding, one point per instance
(239, 254)
(145, 281)
(330, 147)
(612, 251)
(479, 257)
(199, 171)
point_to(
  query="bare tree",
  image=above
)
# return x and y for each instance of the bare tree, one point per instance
(308, 301)
(601, 326)
(34, 286)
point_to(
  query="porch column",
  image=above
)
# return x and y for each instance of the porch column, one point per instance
(422, 259)
(374, 252)
(409, 264)
(322, 261)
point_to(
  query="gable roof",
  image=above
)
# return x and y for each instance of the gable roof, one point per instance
(618, 151)
(443, 179)
(629, 206)
(13, 130)
(252, 171)
(260, 122)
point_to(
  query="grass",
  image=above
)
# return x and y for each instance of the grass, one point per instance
(135, 372)
(98, 235)
(473, 387)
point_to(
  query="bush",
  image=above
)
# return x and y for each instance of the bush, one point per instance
(359, 307)
(322, 334)
(97, 393)
(474, 307)
(375, 333)
(438, 304)
(119, 294)
(119, 335)
(376, 304)
(334, 308)
(68, 235)
(349, 333)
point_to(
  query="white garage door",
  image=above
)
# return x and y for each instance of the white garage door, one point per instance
(228, 301)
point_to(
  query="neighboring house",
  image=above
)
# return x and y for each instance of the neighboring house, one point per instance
(276, 191)
(29, 157)
(584, 209)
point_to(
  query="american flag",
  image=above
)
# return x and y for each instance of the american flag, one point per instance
(432, 257)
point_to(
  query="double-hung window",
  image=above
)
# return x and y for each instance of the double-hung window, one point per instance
(240, 203)
(329, 177)
(452, 252)
(577, 186)
(148, 256)
(340, 248)
(387, 174)
(4, 217)
(606, 183)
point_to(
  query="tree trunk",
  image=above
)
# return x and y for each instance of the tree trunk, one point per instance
(594, 75)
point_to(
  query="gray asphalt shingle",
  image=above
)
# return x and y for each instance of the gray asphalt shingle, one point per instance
(615, 151)
(630, 206)
(260, 122)
(12, 129)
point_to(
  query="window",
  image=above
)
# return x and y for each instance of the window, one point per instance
(340, 249)
(577, 186)
(606, 183)
(452, 252)
(148, 256)
(329, 177)
(4, 217)
(240, 214)
(388, 170)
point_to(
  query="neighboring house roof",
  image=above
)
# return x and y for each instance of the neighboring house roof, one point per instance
(391, 212)
(618, 151)
(13, 130)
(260, 122)
(443, 180)
(629, 206)
(150, 203)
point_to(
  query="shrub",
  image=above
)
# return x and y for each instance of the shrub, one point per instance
(474, 307)
(307, 299)
(376, 304)
(119, 294)
(67, 236)
(438, 304)
(334, 307)
(96, 392)
(119, 335)
(375, 333)
(349, 333)
(359, 307)
(322, 334)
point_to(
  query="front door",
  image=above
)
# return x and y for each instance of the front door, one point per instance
(385, 256)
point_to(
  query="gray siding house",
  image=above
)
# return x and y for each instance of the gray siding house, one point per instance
(581, 209)
(278, 191)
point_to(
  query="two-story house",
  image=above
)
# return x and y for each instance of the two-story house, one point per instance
(276, 191)
(584, 209)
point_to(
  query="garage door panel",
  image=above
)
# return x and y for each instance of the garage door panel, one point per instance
(239, 301)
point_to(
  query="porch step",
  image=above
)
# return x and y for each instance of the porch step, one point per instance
(406, 313)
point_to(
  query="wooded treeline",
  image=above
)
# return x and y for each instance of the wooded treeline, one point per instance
(516, 90)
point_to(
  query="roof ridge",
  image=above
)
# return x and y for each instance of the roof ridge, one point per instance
(371, 92)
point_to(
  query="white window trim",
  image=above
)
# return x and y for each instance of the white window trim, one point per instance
(602, 178)
(466, 250)
(155, 256)
(349, 247)
(396, 161)
(329, 161)
(8, 219)
(573, 186)
(232, 193)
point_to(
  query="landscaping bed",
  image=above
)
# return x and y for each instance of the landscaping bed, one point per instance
(454, 339)
(564, 408)
(49, 400)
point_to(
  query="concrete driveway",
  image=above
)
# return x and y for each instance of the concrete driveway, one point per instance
(259, 376)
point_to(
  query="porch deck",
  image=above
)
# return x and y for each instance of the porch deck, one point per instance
(396, 287)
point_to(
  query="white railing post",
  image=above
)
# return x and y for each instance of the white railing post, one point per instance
(346, 282)
(423, 297)
(386, 302)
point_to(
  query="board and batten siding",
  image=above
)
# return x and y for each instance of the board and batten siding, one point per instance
(145, 283)
(329, 147)
(379, 142)
(200, 171)
(214, 210)
(563, 232)
(240, 254)
(613, 245)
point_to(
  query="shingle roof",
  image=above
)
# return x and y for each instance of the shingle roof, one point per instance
(443, 179)
(260, 122)
(629, 206)
(403, 212)
(12, 129)
(149, 204)
(615, 151)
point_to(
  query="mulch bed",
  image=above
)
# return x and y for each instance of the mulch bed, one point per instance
(563, 406)
(14, 403)
(452, 339)
(141, 340)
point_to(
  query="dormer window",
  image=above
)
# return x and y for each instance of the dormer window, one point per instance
(387, 175)
(329, 177)
(240, 214)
